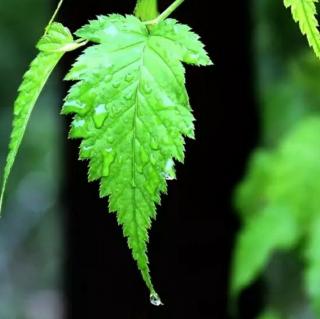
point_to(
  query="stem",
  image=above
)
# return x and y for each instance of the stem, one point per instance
(146, 9)
(53, 16)
(165, 14)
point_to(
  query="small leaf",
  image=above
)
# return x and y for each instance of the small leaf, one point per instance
(55, 39)
(33, 82)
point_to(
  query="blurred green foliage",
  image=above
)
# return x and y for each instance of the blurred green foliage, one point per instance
(278, 200)
(30, 230)
(279, 203)
(270, 314)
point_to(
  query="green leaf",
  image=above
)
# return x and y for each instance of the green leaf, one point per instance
(34, 80)
(272, 229)
(304, 12)
(279, 206)
(57, 39)
(132, 112)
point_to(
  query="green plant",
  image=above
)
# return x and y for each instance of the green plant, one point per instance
(130, 108)
(304, 12)
(278, 199)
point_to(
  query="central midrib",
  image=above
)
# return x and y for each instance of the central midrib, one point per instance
(133, 181)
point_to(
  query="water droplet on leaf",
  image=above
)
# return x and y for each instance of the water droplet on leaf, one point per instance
(75, 107)
(129, 96)
(144, 157)
(147, 88)
(110, 67)
(110, 139)
(111, 31)
(116, 84)
(154, 144)
(78, 128)
(169, 171)
(85, 151)
(108, 160)
(78, 123)
(191, 57)
(129, 77)
(169, 177)
(100, 115)
(153, 160)
(166, 100)
(139, 169)
(126, 120)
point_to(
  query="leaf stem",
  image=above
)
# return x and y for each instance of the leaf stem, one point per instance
(146, 9)
(165, 14)
(53, 16)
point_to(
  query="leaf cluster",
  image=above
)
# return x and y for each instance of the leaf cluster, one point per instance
(130, 107)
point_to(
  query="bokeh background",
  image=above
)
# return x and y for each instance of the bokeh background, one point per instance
(236, 237)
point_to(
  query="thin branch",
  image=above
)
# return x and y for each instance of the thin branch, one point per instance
(53, 16)
(165, 14)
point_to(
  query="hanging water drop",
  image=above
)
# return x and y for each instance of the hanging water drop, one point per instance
(155, 300)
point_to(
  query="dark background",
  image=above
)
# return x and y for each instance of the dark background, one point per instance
(191, 241)
(63, 256)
